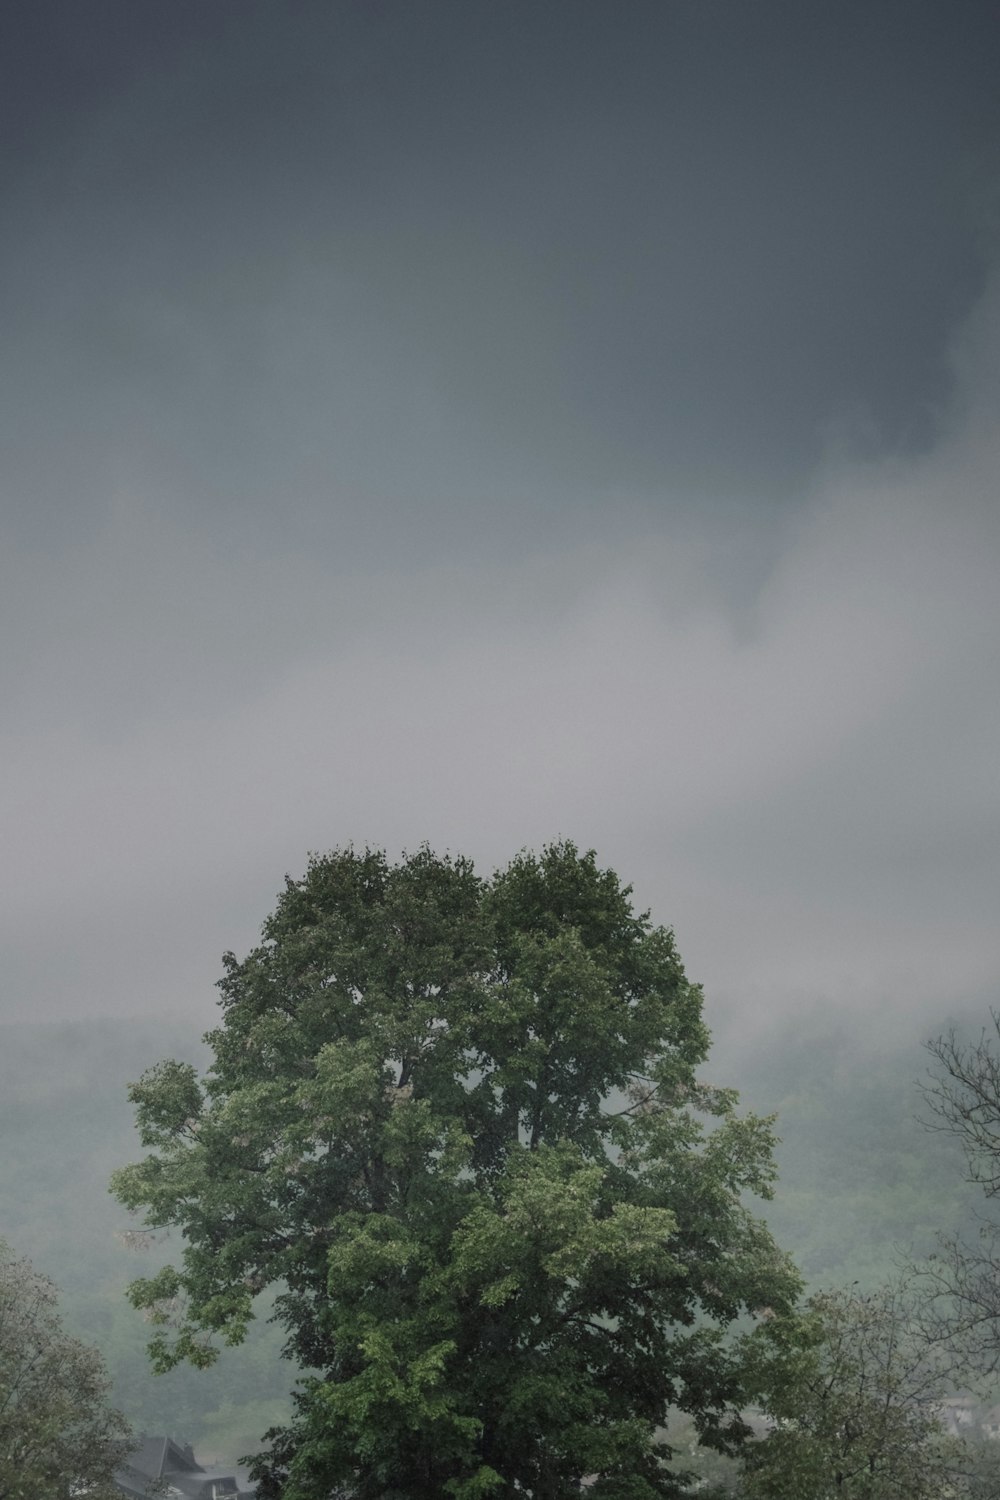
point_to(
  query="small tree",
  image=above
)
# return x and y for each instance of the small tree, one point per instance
(457, 1122)
(58, 1437)
(962, 1281)
(854, 1403)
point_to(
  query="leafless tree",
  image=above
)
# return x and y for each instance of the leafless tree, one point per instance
(961, 1281)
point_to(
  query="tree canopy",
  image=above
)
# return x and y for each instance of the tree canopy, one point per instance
(457, 1123)
(58, 1436)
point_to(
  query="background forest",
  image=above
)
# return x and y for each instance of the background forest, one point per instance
(861, 1183)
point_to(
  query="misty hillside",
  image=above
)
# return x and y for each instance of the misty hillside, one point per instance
(67, 1124)
(862, 1180)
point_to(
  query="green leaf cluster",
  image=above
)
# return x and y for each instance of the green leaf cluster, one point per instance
(457, 1124)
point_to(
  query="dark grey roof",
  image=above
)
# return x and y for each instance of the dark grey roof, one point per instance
(159, 1466)
(158, 1456)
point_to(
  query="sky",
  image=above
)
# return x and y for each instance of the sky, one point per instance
(483, 423)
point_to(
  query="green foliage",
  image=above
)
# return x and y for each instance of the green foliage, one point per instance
(456, 1124)
(853, 1400)
(58, 1436)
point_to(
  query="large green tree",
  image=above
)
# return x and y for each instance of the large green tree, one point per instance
(58, 1436)
(457, 1123)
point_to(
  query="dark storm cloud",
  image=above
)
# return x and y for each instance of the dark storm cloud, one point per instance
(323, 268)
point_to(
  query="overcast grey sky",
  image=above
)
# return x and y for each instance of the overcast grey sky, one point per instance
(487, 422)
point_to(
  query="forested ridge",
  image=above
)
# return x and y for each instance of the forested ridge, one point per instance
(860, 1183)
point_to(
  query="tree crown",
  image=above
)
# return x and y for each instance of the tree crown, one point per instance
(458, 1122)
